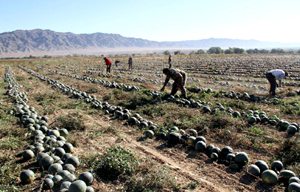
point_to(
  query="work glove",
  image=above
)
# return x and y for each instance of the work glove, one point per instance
(163, 88)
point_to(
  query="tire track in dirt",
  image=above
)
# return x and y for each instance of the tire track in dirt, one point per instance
(174, 166)
(138, 148)
(211, 177)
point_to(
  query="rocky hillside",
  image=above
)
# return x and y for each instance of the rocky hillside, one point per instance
(47, 40)
(38, 40)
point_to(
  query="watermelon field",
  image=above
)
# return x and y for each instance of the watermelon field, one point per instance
(67, 125)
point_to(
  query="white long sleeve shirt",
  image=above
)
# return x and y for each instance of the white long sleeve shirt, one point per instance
(278, 73)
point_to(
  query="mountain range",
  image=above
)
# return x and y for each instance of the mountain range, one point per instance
(48, 42)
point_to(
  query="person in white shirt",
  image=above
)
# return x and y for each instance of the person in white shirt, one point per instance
(272, 76)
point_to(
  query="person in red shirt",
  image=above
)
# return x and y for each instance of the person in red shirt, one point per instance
(108, 64)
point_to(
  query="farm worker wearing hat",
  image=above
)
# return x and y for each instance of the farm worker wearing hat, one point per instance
(108, 64)
(272, 76)
(179, 78)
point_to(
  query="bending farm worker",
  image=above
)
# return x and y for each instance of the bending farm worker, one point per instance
(179, 78)
(272, 76)
(117, 63)
(108, 64)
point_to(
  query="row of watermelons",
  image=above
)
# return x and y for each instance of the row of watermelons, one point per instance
(49, 146)
(193, 79)
(245, 96)
(190, 137)
(253, 98)
(174, 135)
(261, 117)
(110, 84)
(275, 174)
(126, 115)
(192, 76)
(74, 93)
(250, 116)
(207, 109)
(235, 160)
(135, 79)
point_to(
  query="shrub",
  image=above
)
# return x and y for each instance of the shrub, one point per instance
(150, 177)
(116, 161)
(288, 153)
(71, 121)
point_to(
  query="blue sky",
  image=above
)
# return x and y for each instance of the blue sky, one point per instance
(159, 20)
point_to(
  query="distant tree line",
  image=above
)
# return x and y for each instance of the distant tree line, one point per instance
(235, 50)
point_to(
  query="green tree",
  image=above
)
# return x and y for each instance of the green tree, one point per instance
(255, 51)
(166, 52)
(238, 50)
(215, 50)
(192, 53)
(273, 50)
(200, 51)
(291, 51)
(228, 51)
(177, 52)
(250, 51)
(278, 50)
(264, 51)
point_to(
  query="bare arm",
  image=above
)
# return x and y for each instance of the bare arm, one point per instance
(167, 80)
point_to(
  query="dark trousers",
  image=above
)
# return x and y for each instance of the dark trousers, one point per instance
(272, 82)
(108, 68)
(175, 89)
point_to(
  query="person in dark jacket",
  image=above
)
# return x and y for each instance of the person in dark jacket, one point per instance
(272, 76)
(170, 61)
(108, 64)
(179, 78)
(130, 63)
(117, 63)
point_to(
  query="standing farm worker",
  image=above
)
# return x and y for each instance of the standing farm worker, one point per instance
(130, 63)
(169, 61)
(179, 78)
(272, 76)
(108, 64)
